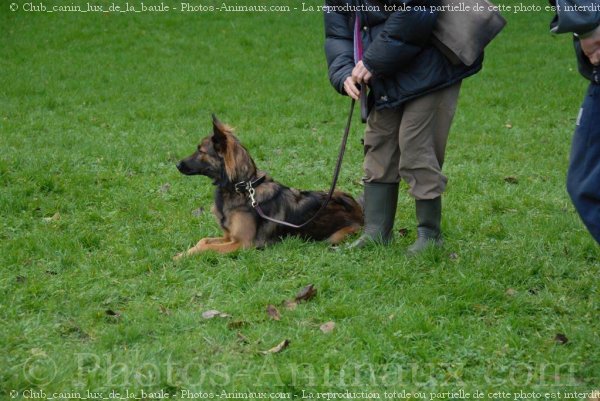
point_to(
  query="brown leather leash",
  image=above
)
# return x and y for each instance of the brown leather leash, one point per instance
(250, 185)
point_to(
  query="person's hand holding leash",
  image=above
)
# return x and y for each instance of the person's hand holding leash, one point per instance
(360, 75)
(590, 44)
(351, 88)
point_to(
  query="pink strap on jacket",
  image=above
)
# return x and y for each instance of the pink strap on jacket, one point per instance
(358, 55)
(358, 49)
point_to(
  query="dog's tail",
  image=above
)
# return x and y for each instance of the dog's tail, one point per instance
(348, 202)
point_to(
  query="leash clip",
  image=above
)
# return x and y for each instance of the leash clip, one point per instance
(248, 187)
(251, 193)
(252, 200)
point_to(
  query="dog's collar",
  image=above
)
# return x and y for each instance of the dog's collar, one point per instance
(245, 186)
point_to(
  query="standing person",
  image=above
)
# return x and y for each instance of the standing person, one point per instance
(413, 94)
(583, 177)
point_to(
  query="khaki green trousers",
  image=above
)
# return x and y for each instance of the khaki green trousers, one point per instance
(409, 143)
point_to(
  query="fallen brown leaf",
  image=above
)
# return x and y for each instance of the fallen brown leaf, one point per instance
(511, 180)
(273, 312)
(164, 310)
(209, 314)
(511, 292)
(306, 294)
(327, 327)
(403, 232)
(278, 348)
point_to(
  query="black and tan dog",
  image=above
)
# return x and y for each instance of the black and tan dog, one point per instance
(222, 158)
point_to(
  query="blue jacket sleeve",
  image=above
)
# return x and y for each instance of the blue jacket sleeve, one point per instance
(339, 48)
(404, 35)
(578, 16)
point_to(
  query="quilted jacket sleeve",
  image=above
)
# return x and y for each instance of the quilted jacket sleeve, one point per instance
(339, 48)
(578, 16)
(404, 35)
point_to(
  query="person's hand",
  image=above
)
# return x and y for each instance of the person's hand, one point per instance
(591, 46)
(360, 73)
(360, 76)
(351, 88)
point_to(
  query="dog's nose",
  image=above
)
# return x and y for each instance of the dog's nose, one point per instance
(183, 168)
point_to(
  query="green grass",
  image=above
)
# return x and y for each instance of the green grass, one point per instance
(95, 110)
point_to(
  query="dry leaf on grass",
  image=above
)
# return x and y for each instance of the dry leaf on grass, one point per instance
(209, 314)
(306, 294)
(273, 312)
(327, 327)
(278, 348)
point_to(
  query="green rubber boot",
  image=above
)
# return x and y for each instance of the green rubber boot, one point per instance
(429, 218)
(380, 201)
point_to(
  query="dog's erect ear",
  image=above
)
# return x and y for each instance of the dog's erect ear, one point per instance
(219, 137)
(237, 162)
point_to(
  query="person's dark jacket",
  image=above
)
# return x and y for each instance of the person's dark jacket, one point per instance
(398, 50)
(580, 23)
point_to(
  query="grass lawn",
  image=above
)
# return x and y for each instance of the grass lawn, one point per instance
(96, 109)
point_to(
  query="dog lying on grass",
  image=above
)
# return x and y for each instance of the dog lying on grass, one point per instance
(238, 183)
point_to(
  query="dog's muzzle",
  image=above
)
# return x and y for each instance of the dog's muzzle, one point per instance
(183, 168)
